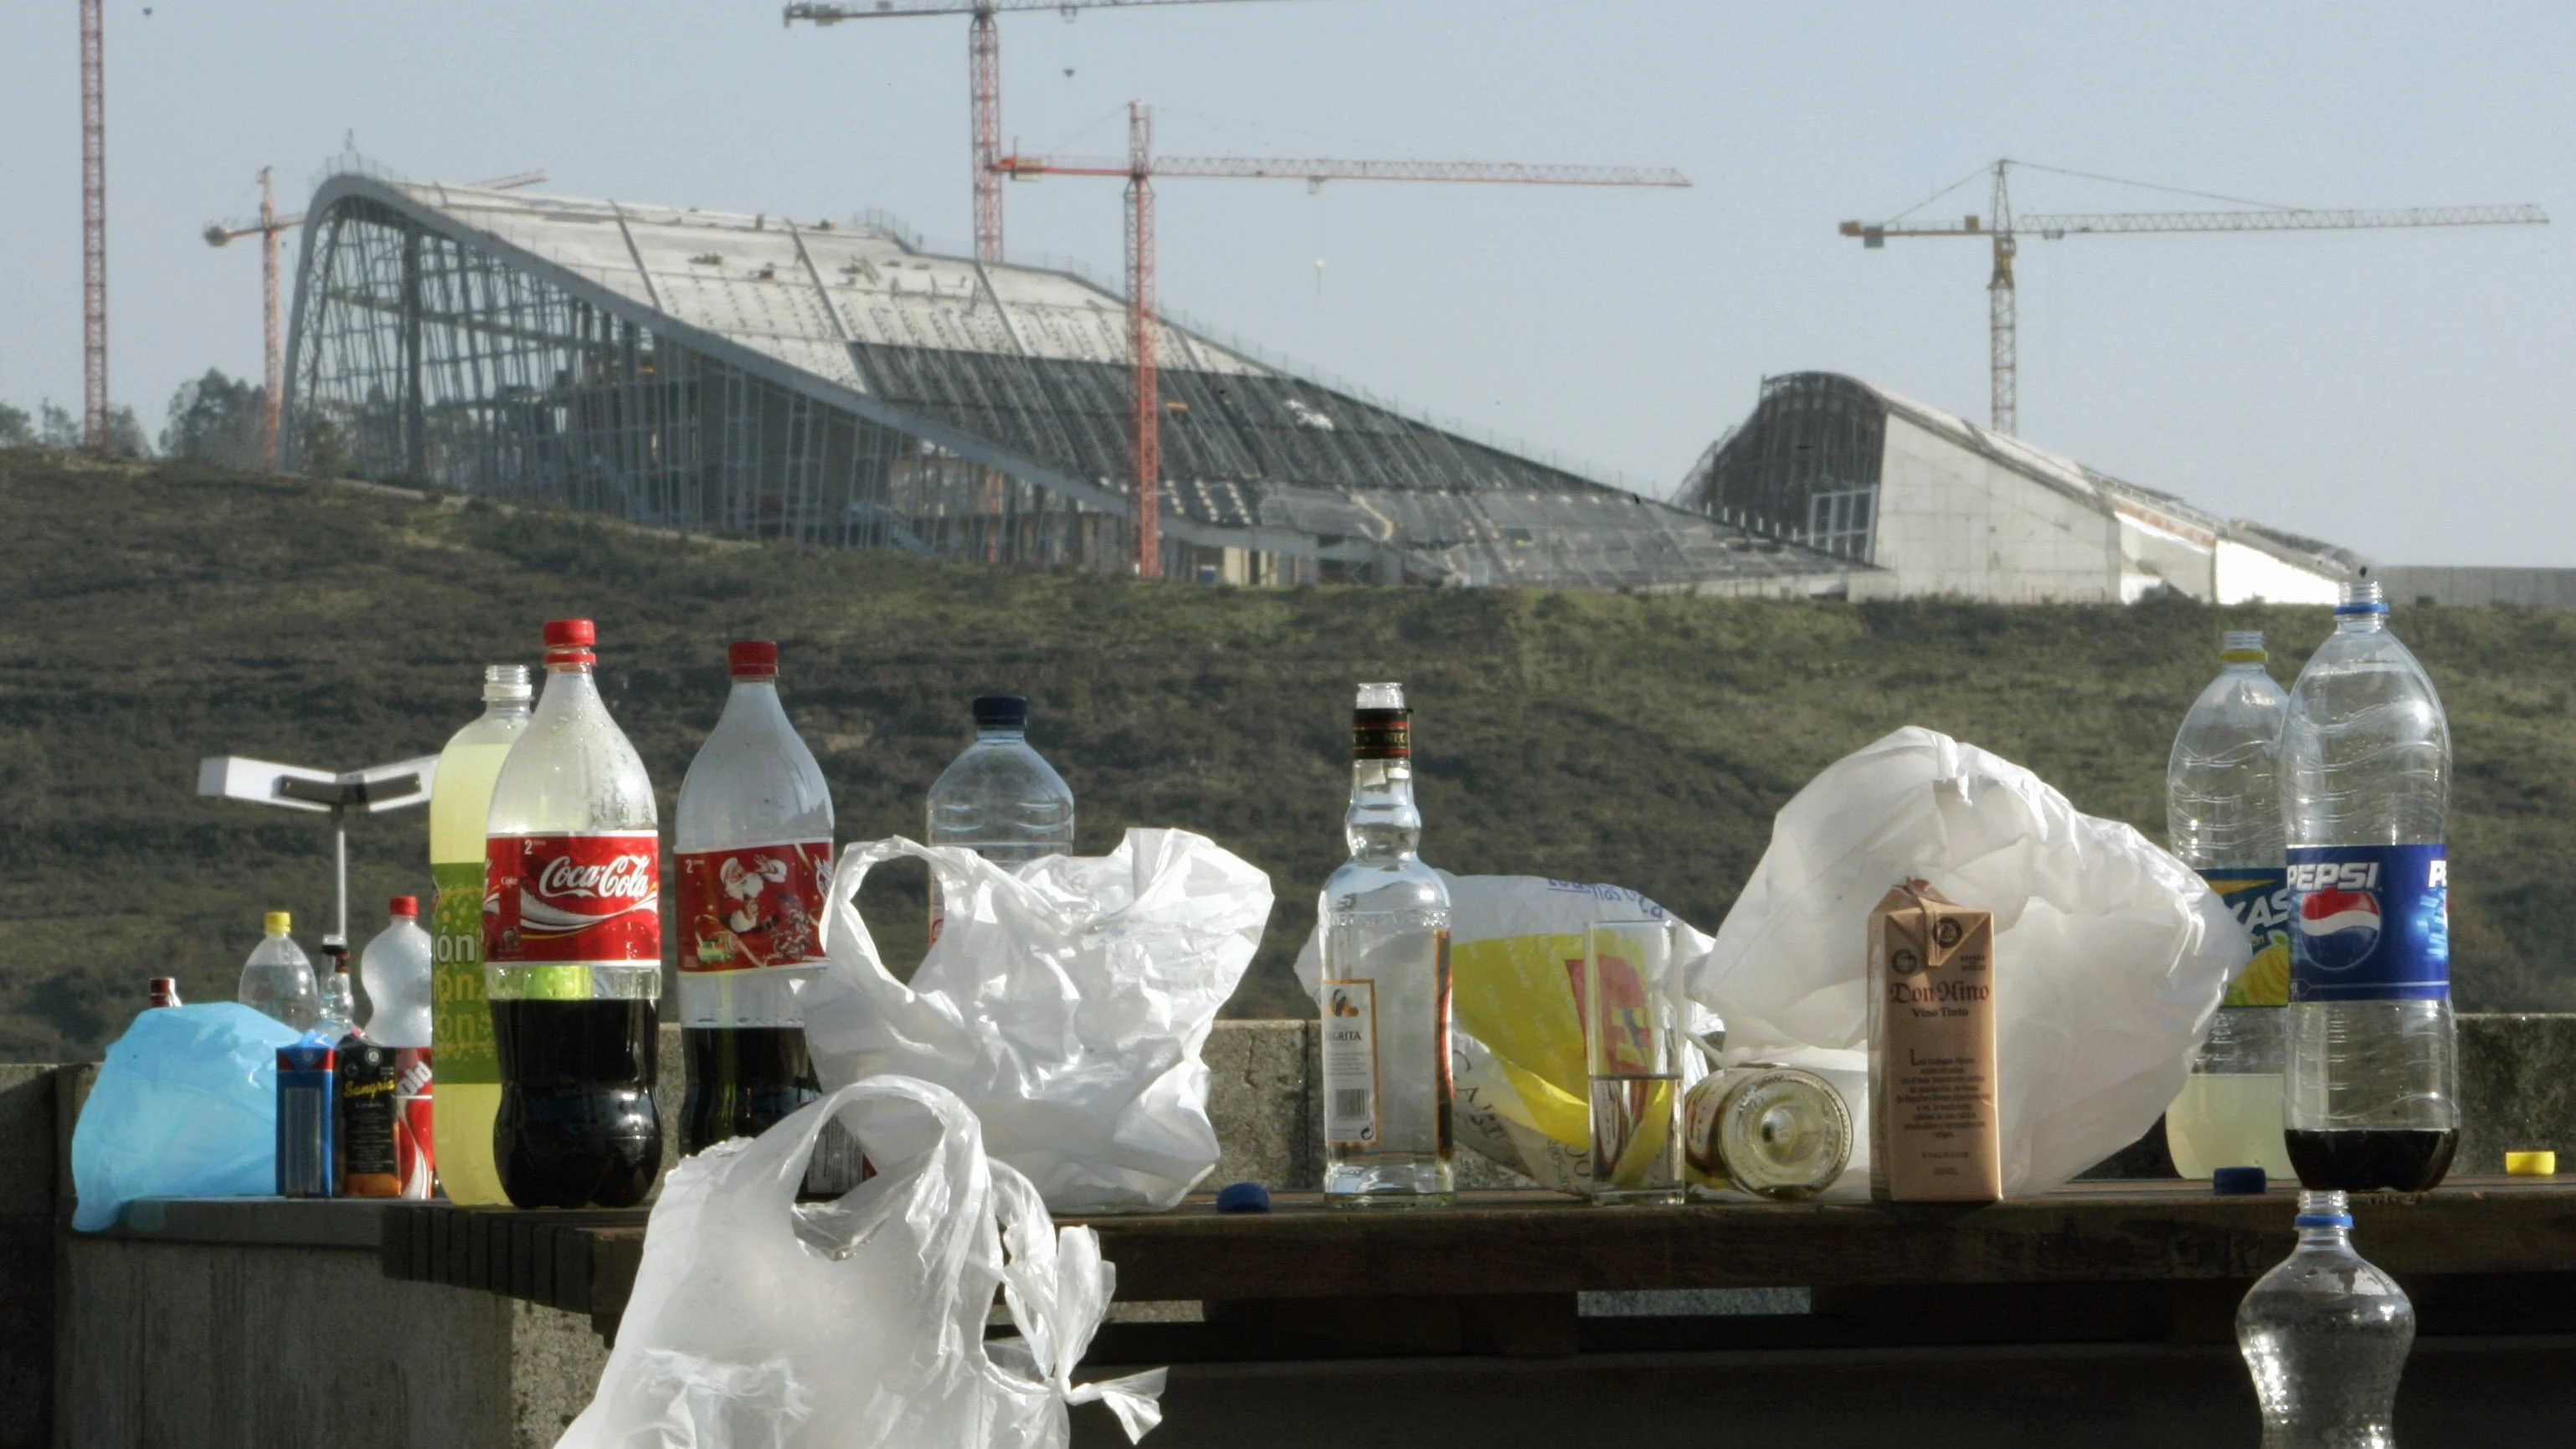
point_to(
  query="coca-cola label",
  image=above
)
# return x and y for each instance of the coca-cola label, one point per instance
(572, 898)
(761, 905)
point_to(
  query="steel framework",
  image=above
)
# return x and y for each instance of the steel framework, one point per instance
(739, 376)
(93, 228)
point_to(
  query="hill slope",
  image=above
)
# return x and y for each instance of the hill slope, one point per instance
(157, 615)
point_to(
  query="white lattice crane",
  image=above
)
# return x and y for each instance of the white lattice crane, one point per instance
(2003, 230)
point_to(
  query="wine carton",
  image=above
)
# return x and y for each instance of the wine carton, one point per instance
(1933, 1105)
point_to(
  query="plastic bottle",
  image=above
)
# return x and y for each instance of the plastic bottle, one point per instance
(278, 978)
(165, 991)
(1385, 920)
(2325, 1336)
(396, 969)
(2366, 754)
(753, 843)
(338, 1014)
(1000, 798)
(469, 1069)
(2223, 819)
(572, 947)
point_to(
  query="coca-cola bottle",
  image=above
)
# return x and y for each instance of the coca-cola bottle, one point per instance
(753, 844)
(572, 947)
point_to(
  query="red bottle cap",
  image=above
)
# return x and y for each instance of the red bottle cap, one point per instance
(752, 658)
(568, 641)
(405, 906)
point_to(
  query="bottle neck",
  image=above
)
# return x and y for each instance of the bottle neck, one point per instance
(2370, 622)
(2325, 1220)
(1382, 822)
(511, 706)
(754, 699)
(984, 736)
(568, 686)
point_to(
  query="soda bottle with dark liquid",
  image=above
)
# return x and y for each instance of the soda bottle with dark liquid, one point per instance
(2373, 1097)
(572, 947)
(753, 843)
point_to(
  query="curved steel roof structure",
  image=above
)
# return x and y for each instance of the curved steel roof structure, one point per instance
(839, 384)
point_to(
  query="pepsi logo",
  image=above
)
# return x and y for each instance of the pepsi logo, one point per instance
(2337, 929)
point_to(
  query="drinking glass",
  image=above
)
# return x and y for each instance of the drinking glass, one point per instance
(1632, 1044)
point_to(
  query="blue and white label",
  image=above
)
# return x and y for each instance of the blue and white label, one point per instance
(2369, 923)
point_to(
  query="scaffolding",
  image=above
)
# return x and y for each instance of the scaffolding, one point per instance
(838, 386)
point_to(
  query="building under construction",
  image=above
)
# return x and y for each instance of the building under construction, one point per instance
(839, 385)
(1920, 501)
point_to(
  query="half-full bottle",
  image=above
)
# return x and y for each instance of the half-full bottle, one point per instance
(753, 843)
(2373, 1082)
(1384, 918)
(2223, 819)
(572, 947)
(1000, 798)
(469, 1068)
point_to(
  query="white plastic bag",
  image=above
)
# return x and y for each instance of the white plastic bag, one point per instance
(1519, 1080)
(2110, 955)
(759, 1323)
(1066, 1001)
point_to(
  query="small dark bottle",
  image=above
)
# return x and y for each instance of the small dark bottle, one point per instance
(165, 991)
(362, 1127)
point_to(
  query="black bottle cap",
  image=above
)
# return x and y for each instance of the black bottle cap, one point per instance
(1002, 712)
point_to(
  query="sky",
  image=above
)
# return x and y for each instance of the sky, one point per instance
(2401, 393)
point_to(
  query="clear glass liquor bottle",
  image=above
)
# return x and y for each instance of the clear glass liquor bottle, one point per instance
(1385, 920)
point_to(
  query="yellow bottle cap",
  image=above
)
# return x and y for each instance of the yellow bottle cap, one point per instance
(278, 923)
(2531, 1164)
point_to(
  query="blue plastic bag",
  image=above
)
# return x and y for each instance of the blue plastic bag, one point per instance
(185, 1106)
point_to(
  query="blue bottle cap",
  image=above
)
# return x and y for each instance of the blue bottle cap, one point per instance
(1243, 1197)
(2240, 1181)
(2322, 1220)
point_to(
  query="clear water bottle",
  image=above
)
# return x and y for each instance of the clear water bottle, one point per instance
(338, 1014)
(2223, 819)
(2325, 1337)
(753, 841)
(1000, 799)
(278, 978)
(1384, 918)
(2366, 755)
(397, 970)
(572, 947)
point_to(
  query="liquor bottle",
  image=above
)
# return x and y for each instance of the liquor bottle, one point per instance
(753, 843)
(469, 1070)
(1000, 798)
(2223, 819)
(1385, 922)
(572, 947)
(2374, 1063)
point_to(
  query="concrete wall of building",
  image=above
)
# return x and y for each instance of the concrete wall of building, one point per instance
(1951, 521)
(2539, 588)
(2250, 575)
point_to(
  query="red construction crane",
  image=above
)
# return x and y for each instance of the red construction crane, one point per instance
(93, 231)
(268, 228)
(1142, 166)
(983, 79)
(2004, 229)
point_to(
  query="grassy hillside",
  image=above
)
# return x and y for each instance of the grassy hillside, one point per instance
(154, 615)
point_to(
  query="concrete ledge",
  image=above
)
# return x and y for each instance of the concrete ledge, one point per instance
(247, 1221)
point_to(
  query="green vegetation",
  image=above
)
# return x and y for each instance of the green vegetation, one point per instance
(156, 614)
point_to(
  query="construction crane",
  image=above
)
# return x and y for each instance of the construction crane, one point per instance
(2003, 230)
(93, 228)
(983, 79)
(1140, 168)
(267, 229)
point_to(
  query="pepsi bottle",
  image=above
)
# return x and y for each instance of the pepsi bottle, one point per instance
(2366, 764)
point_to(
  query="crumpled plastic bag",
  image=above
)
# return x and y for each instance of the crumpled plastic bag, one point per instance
(184, 1106)
(757, 1322)
(2110, 955)
(1520, 1088)
(1065, 1000)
